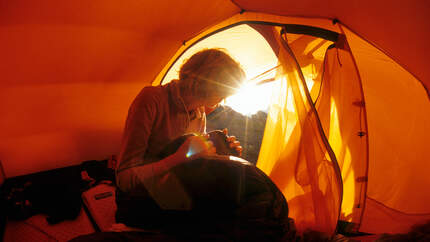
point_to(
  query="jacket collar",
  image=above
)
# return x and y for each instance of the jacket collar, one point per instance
(175, 95)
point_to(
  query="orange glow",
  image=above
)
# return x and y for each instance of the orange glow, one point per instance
(255, 55)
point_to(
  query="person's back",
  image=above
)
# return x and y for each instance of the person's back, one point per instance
(158, 114)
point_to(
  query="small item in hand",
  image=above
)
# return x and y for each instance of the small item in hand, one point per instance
(219, 139)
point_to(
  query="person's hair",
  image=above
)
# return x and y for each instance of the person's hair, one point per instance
(209, 73)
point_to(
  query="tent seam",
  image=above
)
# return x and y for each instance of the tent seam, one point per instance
(242, 10)
(365, 124)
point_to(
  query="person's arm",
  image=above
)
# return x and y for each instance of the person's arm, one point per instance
(135, 177)
(191, 149)
(142, 115)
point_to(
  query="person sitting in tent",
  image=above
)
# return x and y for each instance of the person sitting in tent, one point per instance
(160, 114)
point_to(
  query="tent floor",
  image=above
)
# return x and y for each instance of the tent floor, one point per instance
(97, 214)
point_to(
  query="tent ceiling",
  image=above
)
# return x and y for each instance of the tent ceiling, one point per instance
(400, 28)
(151, 30)
(392, 26)
(66, 65)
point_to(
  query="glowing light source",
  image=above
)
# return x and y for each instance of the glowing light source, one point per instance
(255, 55)
(251, 98)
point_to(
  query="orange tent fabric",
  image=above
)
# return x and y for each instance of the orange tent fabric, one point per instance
(70, 70)
(296, 154)
(341, 107)
(392, 26)
(73, 50)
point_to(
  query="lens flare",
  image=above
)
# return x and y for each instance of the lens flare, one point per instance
(251, 98)
(197, 146)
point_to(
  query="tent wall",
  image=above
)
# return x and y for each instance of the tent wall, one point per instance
(398, 117)
(70, 69)
(93, 43)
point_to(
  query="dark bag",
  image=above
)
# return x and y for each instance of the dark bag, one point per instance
(229, 195)
(56, 193)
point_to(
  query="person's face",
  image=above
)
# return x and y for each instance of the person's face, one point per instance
(212, 102)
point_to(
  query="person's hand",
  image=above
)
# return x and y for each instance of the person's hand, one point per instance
(194, 147)
(233, 143)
